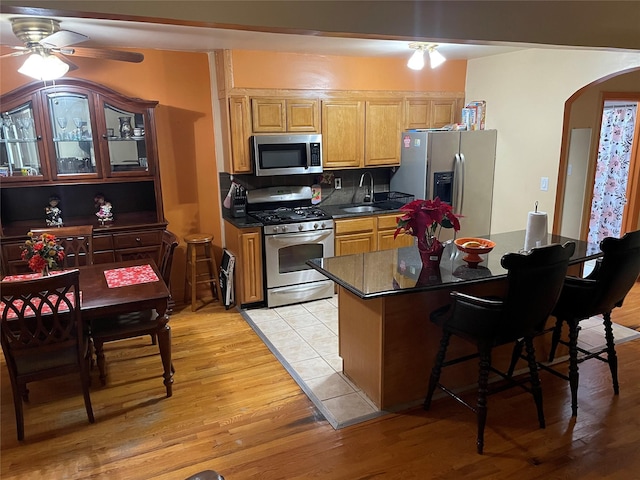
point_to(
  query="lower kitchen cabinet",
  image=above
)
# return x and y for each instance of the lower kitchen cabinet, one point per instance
(355, 235)
(387, 225)
(368, 234)
(246, 246)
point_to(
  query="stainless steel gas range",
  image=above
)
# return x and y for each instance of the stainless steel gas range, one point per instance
(294, 231)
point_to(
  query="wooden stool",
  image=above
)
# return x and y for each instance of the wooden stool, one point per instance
(193, 277)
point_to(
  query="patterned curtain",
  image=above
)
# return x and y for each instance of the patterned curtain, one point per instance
(612, 172)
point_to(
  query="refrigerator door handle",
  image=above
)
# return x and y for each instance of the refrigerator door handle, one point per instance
(458, 184)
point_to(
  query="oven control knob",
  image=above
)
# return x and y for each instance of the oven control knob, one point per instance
(300, 227)
(315, 226)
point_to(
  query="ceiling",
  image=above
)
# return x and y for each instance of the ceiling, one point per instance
(130, 34)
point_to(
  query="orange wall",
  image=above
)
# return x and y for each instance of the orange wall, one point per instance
(180, 83)
(252, 69)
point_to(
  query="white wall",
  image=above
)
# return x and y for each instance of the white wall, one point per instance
(525, 93)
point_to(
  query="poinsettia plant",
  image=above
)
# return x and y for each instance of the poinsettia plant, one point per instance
(43, 252)
(421, 218)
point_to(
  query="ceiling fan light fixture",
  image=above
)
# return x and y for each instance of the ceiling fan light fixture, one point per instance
(435, 57)
(416, 62)
(43, 67)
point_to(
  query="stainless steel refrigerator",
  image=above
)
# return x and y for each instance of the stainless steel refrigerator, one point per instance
(458, 167)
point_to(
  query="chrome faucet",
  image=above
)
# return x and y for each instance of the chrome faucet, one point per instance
(368, 197)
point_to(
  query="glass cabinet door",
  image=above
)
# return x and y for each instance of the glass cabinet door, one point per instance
(126, 139)
(72, 135)
(19, 154)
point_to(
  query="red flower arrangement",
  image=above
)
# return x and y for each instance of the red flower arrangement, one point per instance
(43, 252)
(423, 217)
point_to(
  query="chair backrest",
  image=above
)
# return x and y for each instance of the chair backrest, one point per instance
(77, 243)
(618, 270)
(535, 281)
(169, 244)
(40, 315)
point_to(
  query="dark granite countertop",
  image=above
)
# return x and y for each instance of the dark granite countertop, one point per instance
(399, 271)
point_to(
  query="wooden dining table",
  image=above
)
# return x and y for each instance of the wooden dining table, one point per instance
(110, 289)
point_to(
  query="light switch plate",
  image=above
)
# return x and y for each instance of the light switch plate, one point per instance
(544, 183)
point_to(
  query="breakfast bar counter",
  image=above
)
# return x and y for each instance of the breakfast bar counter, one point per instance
(386, 340)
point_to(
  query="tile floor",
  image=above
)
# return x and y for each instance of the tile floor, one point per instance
(304, 338)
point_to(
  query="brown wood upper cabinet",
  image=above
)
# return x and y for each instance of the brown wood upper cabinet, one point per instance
(359, 133)
(431, 113)
(281, 115)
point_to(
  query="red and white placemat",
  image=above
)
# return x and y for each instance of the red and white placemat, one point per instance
(121, 277)
(29, 276)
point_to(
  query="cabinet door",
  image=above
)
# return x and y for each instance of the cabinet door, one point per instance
(21, 147)
(268, 115)
(240, 131)
(125, 132)
(246, 245)
(343, 133)
(417, 113)
(383, 129)
(252, 288)
(443, 112)
(354, 243)
(302, 115)
(72, 134)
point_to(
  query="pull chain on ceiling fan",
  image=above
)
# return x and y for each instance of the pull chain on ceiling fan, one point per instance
(49, 46)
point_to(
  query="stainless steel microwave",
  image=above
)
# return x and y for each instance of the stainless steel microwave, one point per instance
(292, 154)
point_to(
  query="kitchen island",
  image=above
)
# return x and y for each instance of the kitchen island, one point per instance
(386, 340)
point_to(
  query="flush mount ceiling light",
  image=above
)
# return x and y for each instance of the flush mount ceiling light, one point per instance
(43, 66)
(416, 62)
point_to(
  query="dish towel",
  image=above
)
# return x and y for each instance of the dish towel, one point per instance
(536, 233)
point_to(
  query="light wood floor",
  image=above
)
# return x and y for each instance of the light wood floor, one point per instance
(237, 411)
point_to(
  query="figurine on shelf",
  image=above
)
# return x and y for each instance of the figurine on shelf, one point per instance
(103, 209)
(53, 213)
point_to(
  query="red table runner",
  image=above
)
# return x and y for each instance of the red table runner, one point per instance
(121, 277)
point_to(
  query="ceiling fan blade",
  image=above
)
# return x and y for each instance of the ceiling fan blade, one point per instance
(16, 54)
(62, 38)
(103, 54)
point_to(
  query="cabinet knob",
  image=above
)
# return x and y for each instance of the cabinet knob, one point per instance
(138, 240)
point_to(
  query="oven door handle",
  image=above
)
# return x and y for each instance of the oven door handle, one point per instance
(307, 237)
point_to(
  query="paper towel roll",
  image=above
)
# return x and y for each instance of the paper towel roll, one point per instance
(536, 233)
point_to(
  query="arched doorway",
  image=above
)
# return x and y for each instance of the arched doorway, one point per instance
(580, 142)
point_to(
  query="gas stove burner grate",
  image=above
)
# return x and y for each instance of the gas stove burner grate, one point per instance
(283, 215)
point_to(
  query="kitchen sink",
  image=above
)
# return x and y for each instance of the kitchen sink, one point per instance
(361, 209)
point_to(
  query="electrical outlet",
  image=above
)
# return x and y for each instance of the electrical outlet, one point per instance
(337, 182)
(544, 183)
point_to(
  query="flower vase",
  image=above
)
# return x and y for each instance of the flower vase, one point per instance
(430, 252)
(45, 271)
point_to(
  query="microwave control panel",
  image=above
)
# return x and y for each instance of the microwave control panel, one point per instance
(315, 154)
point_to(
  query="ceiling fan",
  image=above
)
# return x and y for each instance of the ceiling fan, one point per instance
(45, 38)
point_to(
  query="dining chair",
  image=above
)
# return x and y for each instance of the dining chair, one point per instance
(135, 324)
(604, 289)
(534, 282)
(77, 242)
(43, 336)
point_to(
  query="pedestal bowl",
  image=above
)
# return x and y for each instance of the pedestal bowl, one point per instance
(473, 248)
